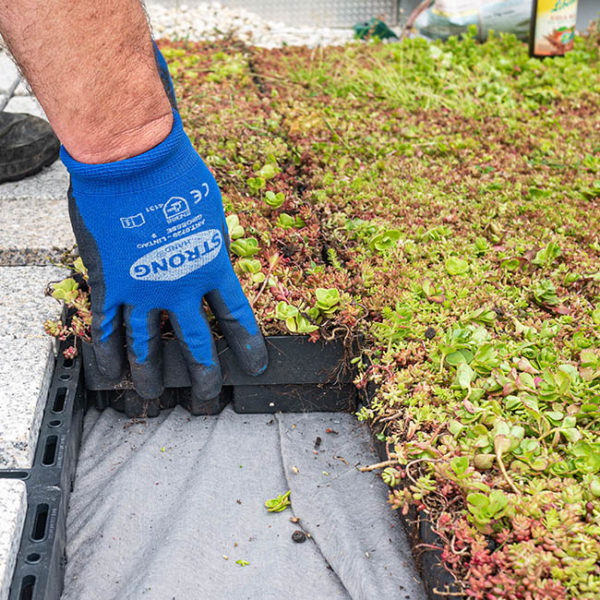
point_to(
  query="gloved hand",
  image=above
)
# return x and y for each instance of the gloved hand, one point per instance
(151, 231)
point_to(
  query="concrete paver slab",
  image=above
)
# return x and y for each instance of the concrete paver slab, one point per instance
(23, 306)
(25, 104)
(51, 183)
(23, 88)
(35, 217)
(26, 372)
(33, 230)
(26, 365)
(8, 72)
(13, 505)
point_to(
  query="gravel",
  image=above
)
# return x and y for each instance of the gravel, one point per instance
(212, 21)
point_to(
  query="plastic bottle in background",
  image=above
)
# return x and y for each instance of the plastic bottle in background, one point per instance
(552, 27)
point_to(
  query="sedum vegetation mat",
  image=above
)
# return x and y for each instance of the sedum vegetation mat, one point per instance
(444, 201)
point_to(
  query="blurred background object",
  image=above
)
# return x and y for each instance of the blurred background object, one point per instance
(552, 27)
(347, 13)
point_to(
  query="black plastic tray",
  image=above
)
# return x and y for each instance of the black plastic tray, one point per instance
(41, 559)
(438, 582)
(301, 376)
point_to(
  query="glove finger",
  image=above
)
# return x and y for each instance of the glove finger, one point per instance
(198, 348)
(107, 321)
(143, 351)
(107, 339)
(232, 309)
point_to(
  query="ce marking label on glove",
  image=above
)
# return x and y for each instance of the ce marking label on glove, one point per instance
(198, 195)
(178, 259)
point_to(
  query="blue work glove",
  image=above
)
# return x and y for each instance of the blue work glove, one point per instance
(151, 231)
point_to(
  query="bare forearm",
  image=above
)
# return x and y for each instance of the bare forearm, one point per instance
(92, 68)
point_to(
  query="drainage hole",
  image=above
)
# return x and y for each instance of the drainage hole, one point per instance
(65, 376)
(54, 423)
(40, 523)
(16, 474)
(67, 363)
(50, 450)
(33, 558)
(59, 400)
(27, 588)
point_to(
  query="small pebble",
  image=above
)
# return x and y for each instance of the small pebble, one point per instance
(299, 536)
(430, 333)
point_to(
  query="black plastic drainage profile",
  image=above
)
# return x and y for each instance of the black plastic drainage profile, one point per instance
(426, 547)
(301, 376)
(41, 559)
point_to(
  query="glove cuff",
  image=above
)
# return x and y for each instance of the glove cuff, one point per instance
(168, 160)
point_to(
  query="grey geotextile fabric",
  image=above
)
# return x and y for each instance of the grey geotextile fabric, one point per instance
(163, 509)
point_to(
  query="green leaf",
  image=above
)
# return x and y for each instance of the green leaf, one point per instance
(303, 325)
(235, 229)
(544, 293)
(502, 444)
(554, 416)
(245, 248)
(391, 476)
(572, 434)
(455, 427)
(285, 311)
(511, 264)
(385, 241)
(459, 357)
(249, 265)
(280, 503)
(327, 298)
(483, 316)
(547, 255)
(477, 500)
(256, 183)
(268, 171)
(460, 464)
(539, 463)
(274, 200)
(65, 290)
(456, 266)
(535, 192)
(498, 502)
(526, 381)
(587, 456)
(79, 267)
(287, 221)
(465, 375)
(483, 462)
